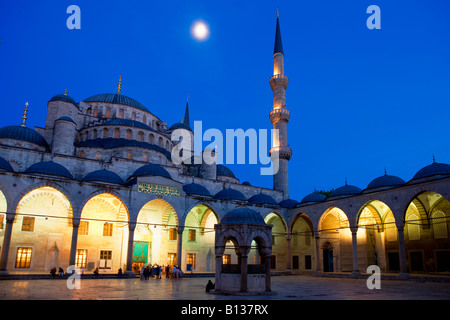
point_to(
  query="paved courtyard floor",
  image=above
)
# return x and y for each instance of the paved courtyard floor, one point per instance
(191, 288)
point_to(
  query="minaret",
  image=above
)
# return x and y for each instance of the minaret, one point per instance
(279, 116)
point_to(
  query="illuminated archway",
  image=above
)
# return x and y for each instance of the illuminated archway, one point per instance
(42, 231)
(335, 241)
(103, 234)
(156, 235)
(3, 211)
(426, 225)
(279, 245)
(198, 239)
(302, 244)
(377, 237)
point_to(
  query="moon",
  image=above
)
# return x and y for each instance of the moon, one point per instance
(200, 30)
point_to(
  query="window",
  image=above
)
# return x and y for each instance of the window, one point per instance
(129, 155)
(23, 258)
(171, 259)
(28, 224)
(308, 262)
(105, 259)
(226, 259)
(173, 234)
(141, 136)
(117, 133)
(439, 225)
(121, 112)
(105, 133)
(191, 235)
(107, 229)
(129, 134)
(151, 139)
(81, 258)
(2, 220)
(83, 228)
(190, 259)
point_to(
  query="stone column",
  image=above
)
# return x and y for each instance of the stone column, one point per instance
(6, 242)
(267, 266)
(73, 245)
(244, 268)
(288, 253)
(180, 230)
(318, 269)
(402, 252)
(131, 227)
(355, 251)
(218, 284)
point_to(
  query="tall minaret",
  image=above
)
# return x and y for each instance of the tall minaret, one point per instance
(279, 116)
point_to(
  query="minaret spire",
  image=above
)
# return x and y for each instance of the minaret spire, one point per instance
(24, 118)
(279, 116)
(119, 86)
(186, 112)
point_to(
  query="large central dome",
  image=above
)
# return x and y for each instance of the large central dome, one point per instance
(118, 99)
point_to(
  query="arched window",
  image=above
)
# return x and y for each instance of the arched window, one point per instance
(439, 225)
(105, 133)
(160, 142)
(133, 115)
(145, 157)
(108, 112)
(151, 138)
(121, 114)
(413, 227)
(129, 155)
(141, 136)
(129, 134)
(144, 119)
(117, 133)
(94, 134)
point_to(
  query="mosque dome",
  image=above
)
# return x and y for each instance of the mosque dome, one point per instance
(242, 215)
(385, 181)
(23, 133)
(313, 197)
(196, 189)
(224, 171)
(63, 97)
(346, 190)
(117, 98)
(103, 176)
(180, 125)
(288, 203)
(434, 169)
(230, 194)
(5, 166)
(262, 198)
(49, 168)
(151, 170)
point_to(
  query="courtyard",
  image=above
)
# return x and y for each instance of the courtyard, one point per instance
(193, 288)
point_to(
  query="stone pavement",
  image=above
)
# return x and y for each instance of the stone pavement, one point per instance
(193, 288)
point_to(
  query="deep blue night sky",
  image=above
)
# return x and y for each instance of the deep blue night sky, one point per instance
(360, 100)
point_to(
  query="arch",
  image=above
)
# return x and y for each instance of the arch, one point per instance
(110, 193)
(338, 219)
(272, 215)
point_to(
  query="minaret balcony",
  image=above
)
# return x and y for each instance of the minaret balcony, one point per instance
(283, 152)
(279, 114)
(279, 81)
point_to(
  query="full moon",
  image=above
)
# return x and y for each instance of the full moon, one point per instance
(200, 30)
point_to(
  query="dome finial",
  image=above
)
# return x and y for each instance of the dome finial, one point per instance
(385, 172)
(434, 159)
(120, 85)
(65, 92)
(24, 118)
(345, 180)
(278, 13)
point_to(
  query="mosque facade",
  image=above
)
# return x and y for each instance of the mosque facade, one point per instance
(96, 187)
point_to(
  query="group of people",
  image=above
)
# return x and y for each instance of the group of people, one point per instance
(156, 271)
(60, 272)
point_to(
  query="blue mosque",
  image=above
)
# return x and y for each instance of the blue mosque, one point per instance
(96, 187)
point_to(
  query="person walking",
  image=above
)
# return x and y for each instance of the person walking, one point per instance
(142, 272)
(167, 271)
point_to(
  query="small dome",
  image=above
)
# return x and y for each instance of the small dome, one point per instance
(246, 183)
(288, 203)
(64, 98)
(196, 189)
(434, 169)
(117, 99)
(5, 166)
(313, 197)
(224, 171)
(103, 176)
(262, 198)
(49, 168)
(346, 190)
(66, 118)
(180, 125)
(230, 194)
(151, 170)
(242, 215)
(385, 181)
(23, 134)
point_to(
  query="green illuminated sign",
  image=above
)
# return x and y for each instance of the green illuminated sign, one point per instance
(158, 189)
